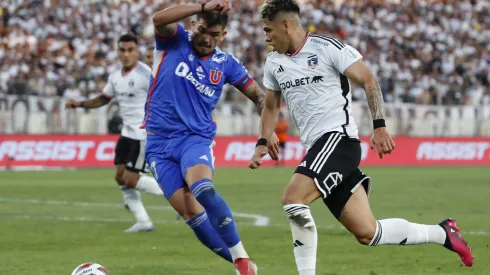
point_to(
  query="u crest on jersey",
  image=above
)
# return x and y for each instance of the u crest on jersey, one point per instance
(215, 76)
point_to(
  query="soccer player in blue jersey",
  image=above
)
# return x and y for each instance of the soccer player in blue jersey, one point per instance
(189, 72)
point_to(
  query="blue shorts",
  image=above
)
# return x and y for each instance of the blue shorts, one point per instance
(169, 159)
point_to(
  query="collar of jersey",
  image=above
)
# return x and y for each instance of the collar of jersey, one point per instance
(208, 56)
(298, 50)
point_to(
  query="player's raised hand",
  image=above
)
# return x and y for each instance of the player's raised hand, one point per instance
(382, 142)
(217, 6)
(260, 152)
(273, 145)
(71, 104)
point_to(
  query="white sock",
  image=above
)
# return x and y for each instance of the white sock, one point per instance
(402, 232)
(238, 251)
(132, 198)
(149, 185)
(305, 237)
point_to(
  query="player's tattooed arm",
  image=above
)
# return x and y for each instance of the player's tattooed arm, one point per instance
(375, 100)
(93, 103)
(360, 74)
(256, 95)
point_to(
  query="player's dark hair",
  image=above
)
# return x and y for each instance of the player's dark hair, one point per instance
(271, 8)
(213, 19)
(128, 37)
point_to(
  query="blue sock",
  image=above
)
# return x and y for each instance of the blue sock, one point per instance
(205, 232)
(218, 211)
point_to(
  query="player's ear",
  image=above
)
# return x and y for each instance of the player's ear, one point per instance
(285, 25)
(223, 36)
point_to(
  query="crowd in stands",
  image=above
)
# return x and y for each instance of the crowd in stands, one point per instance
(421, 51)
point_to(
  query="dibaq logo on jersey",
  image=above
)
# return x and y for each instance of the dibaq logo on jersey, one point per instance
(313, 61)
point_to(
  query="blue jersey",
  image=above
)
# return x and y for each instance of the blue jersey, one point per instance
(184, 88)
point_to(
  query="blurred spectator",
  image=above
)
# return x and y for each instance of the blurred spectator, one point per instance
(425, 51)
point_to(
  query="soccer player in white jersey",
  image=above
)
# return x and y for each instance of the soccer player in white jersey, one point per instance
(129, 85)
(148, 58)
(312, 72)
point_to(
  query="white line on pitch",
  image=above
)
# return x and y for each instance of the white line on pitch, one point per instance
(81, 219)
(118, 220)
(259, 220)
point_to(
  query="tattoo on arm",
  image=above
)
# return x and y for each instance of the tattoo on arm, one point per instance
(256, 95)
(375, 101)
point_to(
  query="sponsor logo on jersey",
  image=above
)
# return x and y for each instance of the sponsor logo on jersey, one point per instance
(317, 79)
(318, 41)
(121, 94)
(304, 81)
(219, 58)
(183, 70)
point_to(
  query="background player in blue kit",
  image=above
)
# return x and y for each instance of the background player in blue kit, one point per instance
(188, 75)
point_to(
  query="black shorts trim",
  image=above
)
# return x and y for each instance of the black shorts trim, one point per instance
(131, 153)
(332, 162)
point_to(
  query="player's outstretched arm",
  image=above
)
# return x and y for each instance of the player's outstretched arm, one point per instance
(165, 20)
(270, 112)
(360, 74)
(93, 103)
(256, 95)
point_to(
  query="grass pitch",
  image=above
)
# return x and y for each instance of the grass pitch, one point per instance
(53, 221)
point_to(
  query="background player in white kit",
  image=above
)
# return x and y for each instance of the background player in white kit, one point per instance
(313, 73)
(129, 85)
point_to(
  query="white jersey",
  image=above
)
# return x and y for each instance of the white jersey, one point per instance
(312, 82)
(130, 91)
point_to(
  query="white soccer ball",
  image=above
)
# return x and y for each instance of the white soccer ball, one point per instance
(90, 269)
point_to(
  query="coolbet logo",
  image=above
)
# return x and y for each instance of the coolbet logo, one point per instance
(183, 70)
(301, 82)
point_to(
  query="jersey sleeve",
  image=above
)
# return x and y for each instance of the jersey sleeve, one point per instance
(109, 90)
(343, 56)
(238, 75)
(166, 43)
(270, 82)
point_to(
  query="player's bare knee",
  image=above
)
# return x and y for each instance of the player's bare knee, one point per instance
(187, 215)
(130, 179)
(288, 198)
(130, 183)
(365, 235)
(119, 179)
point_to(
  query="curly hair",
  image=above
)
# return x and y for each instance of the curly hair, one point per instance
(271, 8)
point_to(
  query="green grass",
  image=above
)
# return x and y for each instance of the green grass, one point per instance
(35, 241)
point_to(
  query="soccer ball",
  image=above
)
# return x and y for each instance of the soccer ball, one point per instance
(90, 269)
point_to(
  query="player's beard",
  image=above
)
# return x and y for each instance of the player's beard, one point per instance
(202, 50)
